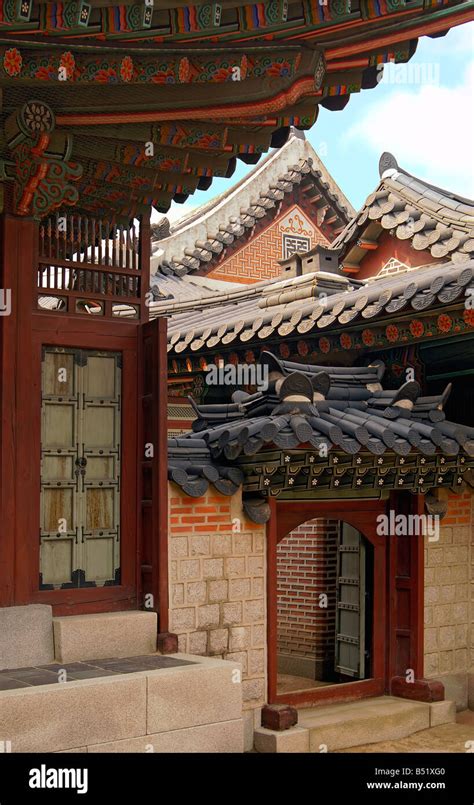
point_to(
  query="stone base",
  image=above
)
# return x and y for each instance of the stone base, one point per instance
(307, 667)
(294, 740)
(109, 634)
(167, 643)
(421, 690)
(442, 713)
(26, 636)
(221, 738)
(279, 717)
(456, 688)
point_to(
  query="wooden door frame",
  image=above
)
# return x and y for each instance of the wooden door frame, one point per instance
(361, 514)
(79, 335)
(22, 335)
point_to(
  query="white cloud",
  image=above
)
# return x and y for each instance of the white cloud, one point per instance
(429, 129)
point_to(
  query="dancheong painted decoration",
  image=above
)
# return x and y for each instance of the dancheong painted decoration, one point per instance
(167, 122)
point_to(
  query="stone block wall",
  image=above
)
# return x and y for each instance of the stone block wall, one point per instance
(306, 568)
(449, 600)
(217, 578)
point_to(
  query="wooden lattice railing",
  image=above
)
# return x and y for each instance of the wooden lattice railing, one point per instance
(88, 265)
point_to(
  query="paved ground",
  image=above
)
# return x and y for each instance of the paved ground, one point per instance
(445, 738)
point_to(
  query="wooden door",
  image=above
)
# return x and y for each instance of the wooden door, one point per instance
(80, 468)
(350, 611)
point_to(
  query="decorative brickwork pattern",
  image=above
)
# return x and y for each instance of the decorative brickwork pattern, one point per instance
(393, 266)
(218, 584)
(307, 565)
(257, 259)
(449, 574)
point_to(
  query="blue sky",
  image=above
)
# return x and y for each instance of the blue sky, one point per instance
(424, 116)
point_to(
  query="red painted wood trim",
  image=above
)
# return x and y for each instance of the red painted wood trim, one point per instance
(421, 690)
(28, 416)
(154, 394)
(162, 475)
(422, 28)
(145, 254)
(354, 26)
(347, 64)
(418, 598)
(280, 101)
(341, 692)
(11, 229)
(178, 424)
(87, 329)
(107, 337)
(403, 583)
(286, 516)
(272, 599)
(87, 599)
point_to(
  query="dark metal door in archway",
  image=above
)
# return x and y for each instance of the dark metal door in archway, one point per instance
(350, 659)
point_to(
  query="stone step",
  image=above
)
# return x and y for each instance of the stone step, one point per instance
(330, 728)
(110, 634)
(26, 636)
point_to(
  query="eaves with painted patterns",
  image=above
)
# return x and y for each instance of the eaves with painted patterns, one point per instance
(119, 107)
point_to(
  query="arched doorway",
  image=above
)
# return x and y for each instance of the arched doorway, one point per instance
(325, 586)
(359, 560)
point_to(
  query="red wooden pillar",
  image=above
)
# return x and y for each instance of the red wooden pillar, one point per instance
(19, 245)
(406, 608)
(144, 262)
(153, 560)
(272, 600)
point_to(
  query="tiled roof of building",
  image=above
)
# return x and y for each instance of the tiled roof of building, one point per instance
(197, 240)
(314, 302)
(353, 434)
(411, 209)
(172, 293)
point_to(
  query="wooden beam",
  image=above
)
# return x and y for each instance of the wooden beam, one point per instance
(350, 268)
(411, 29)
(278, 103)
(368, 245)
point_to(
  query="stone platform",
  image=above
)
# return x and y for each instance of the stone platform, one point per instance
(177, 703)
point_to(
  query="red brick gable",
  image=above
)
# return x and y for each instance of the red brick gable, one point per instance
(389, 246)
(257, 258)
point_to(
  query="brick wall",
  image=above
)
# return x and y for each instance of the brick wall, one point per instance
(306, 562)
(449, 575)
(257, 259)
(218, 584)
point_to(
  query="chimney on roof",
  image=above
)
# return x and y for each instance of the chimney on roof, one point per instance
(291, 266)
(319, 258)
